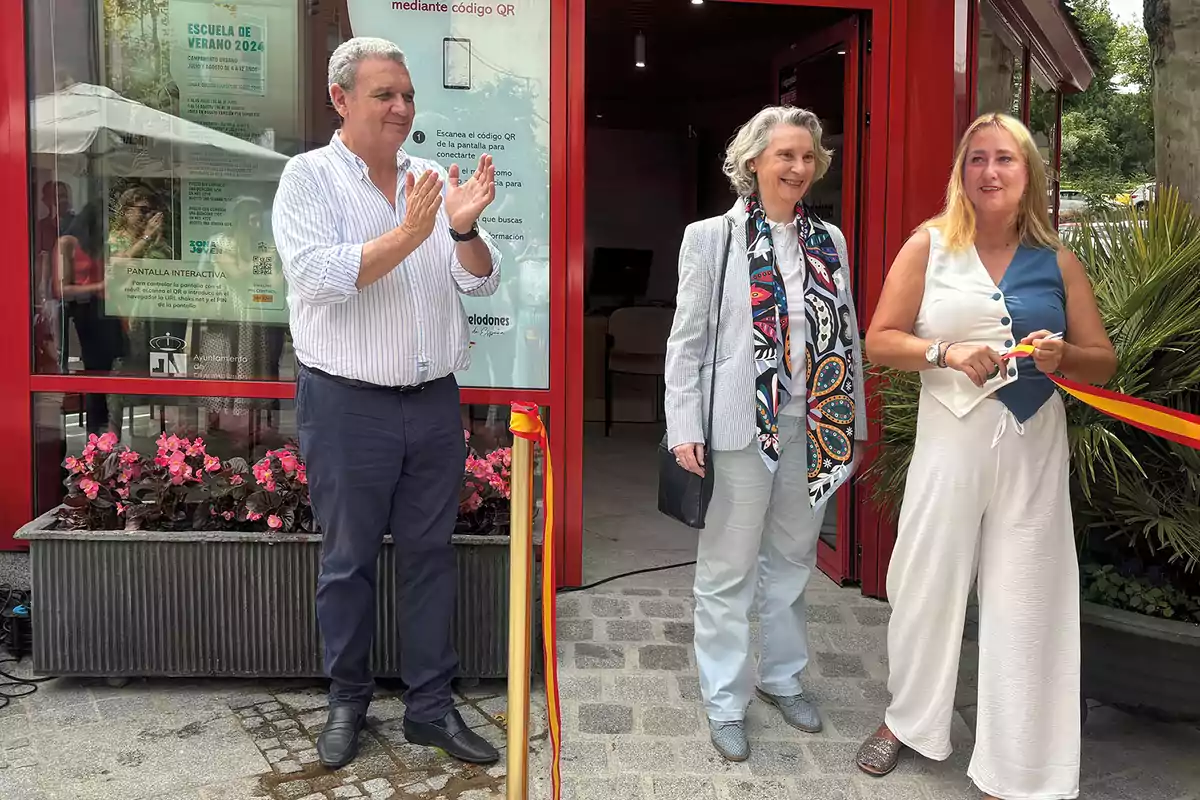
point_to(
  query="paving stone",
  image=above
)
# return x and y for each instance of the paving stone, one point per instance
(683, 788)
(267, 743)
(681, 592)
(824, 615)
(779, 758)
(605, 718)
(308, 757)
(585, 756)
(288, 767)
(577, 630)
(663, 609)
(567, 607)
(896, 789)
(689, 687)
(269, 707)
(599, 656)
(1142, 785)
(603, 788)
(579, 687)
(253, 722)
(872, 616)
(841, 665)
(855, 726)
(318, 796)
(830, 789)
(638, 688)
(479, 794)
(294, 789)
(375, 786)
(275, 716)
(835, 758)
(275, 756)
(386, 794)
(662, 721)
(611, 607)
(679, 632)
(640, 592)
(629, 630)
(755, 790)
(644, 755)
(862, 640)
(240, 702)
(664, 656)
(347, 791)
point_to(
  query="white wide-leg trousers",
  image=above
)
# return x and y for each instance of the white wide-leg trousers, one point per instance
(760, 534)
(987, 500)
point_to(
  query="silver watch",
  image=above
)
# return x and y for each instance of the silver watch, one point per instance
(933, 353)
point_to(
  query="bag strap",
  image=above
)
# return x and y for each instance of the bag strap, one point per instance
(712, 388)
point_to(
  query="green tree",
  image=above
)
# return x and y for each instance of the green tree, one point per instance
(1108, 130)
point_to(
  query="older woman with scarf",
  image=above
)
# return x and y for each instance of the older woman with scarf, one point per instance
(788, 412)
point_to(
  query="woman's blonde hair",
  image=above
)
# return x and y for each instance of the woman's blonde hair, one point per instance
(956, 223)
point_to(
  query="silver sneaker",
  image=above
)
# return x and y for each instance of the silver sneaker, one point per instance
(796, 711)
(730, 739)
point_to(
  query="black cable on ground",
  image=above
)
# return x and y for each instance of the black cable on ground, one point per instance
(15, 638)
(593, 585)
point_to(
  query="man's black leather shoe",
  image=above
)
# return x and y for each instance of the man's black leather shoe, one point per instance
(451, 734)
(337, 745)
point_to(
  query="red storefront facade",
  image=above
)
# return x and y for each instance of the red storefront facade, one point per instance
(912, 82)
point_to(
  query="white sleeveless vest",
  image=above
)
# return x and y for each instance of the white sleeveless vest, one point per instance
(962, 304)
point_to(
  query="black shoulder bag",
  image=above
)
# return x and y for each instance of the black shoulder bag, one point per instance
(684, 495)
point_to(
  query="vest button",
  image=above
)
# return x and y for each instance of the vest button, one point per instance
(996, 296)
(1012, 372)
(1005, 320)
(1008, 342)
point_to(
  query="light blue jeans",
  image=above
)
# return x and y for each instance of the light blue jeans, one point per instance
(759, 542)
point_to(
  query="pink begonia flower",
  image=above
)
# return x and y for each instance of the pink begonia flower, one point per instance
(123, 492)
(129, 457)
(302, 474)
(236, 480)
(107, 442)
(212, 464)
(288, 461)
(274, 522)
(254, 517)
(73, 464)
(89, 487)
(121, 508)
(228, 515)
(473, 502)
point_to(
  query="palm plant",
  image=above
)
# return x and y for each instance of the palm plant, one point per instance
(1136, 496)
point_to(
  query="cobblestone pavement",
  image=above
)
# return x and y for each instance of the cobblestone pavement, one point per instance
(633, 727)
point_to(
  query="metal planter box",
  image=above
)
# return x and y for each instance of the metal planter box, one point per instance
(218, 604)
(1140, 663)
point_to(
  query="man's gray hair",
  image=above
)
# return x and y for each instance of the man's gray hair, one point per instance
(753, 138)
(343, 64)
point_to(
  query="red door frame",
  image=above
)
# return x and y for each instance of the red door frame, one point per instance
(884, 156)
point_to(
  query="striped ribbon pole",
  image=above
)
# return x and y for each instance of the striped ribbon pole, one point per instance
(528, 430)
(1178, 426)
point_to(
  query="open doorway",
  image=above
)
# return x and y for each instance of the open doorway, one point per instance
(667, 84)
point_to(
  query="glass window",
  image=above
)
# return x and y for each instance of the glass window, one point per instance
(238, 427)
(998, 80)
(158, 133)
(1043, 123)
(159, 130)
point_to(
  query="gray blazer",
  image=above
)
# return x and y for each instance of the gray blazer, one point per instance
(690, 348)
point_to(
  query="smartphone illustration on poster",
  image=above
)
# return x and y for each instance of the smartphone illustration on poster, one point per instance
(456, 63)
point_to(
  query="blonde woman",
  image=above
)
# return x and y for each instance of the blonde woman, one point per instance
(778, 344)
(987, 496)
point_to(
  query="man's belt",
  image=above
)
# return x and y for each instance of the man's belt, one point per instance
(354, 383)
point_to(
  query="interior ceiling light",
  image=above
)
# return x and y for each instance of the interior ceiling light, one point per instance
(639, 50)
(841, 52)
(697, 2)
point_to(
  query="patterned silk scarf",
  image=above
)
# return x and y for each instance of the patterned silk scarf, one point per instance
(828, 352)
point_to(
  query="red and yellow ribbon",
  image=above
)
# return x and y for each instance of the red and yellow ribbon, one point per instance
(525, 423)
(1178, 426)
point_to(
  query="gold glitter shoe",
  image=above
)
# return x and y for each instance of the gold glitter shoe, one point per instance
(879, 755)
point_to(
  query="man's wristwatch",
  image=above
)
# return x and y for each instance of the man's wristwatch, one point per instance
(465, 237)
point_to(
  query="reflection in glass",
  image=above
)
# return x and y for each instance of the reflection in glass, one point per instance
(171, 144)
